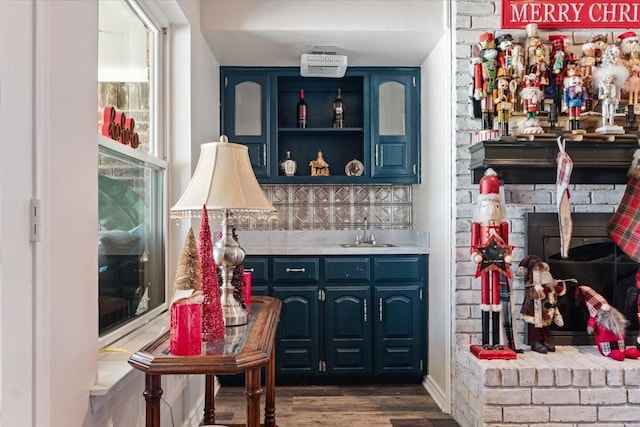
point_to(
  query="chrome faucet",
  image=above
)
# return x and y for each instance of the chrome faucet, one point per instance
(371, 240)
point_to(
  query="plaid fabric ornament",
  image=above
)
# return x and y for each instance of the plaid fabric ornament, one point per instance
(624, 225)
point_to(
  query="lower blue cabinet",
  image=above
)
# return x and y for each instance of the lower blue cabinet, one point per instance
(349, 315)
(297, 341)
(347, 333)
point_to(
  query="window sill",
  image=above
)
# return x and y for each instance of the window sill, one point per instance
(113, 366)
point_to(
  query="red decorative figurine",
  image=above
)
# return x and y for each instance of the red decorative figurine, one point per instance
(491, 251)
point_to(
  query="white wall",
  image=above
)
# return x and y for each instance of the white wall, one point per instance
(433, 211)
(49, 330)
(16, 287)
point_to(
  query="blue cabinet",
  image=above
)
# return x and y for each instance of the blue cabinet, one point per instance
(246, 99)
(348, 315)
(297, 340)
(381, 123)
(395, 125)
(347, 335)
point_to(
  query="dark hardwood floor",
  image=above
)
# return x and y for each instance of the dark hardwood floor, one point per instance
(394, 405)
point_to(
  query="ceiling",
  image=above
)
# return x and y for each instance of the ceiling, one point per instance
(368, 32)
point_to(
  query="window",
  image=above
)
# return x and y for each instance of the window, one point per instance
(131, 178)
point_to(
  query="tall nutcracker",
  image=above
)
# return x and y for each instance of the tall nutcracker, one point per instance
(490, 250)
(485, 69)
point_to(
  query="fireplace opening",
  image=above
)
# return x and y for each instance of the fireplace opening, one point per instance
(594, 260)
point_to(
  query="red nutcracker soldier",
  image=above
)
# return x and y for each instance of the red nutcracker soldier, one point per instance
(491, 251)
(485, 70)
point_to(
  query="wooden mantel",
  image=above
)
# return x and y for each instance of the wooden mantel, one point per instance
(597, 159)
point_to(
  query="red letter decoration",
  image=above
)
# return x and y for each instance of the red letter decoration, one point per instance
(567, 14)
(119, 127)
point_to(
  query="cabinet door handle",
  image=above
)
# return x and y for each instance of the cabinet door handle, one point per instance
(295, 270)
(365, 310)
(376, 154)
(249, 270)
(264, 154)
(380, 308)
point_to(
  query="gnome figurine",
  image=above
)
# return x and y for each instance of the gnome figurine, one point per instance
(539, 308)
(607, 325)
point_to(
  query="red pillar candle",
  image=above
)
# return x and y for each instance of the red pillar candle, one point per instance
(247, 290)
(185, 336)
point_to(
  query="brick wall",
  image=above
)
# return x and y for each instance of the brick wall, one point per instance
(473, 18)
(575, 386)
(521, 394)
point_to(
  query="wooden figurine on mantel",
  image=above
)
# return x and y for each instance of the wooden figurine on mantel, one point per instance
(318, 166)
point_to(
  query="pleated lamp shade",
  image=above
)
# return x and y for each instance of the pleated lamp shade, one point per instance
(223, 180)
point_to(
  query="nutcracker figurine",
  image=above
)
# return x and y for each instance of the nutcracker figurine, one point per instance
(558, 61)
(490, 250)
(610, 76)
(503, 100)
(531, 95)
(574, 98)
(485, 69)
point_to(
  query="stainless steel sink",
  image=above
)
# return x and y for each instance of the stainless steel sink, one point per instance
(367, 245)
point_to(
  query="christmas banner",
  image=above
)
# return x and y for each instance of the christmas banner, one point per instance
(571, 13)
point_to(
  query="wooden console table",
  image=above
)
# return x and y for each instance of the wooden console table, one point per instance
(246, 349)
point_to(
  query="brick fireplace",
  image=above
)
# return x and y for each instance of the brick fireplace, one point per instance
(576, 385)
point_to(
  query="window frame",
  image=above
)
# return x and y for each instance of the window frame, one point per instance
(156, 158)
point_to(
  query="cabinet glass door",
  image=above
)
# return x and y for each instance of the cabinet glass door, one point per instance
(248, 111)
(391, 105)
(394, 126)
(245, 115)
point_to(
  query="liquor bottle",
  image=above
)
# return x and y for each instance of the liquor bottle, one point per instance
(338, 111)
(288, 165)
(302, 111)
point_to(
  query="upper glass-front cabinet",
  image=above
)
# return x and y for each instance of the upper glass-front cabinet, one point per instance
(395, 125)
(377, 142)
(245, 115)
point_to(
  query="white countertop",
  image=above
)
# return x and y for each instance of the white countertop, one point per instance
(328, 242)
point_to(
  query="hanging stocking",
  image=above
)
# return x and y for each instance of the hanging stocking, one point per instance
(565, 167)
(624, 225)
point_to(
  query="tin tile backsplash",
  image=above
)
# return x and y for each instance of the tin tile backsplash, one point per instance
(335, 207)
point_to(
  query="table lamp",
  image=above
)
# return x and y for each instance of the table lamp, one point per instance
(224, 182)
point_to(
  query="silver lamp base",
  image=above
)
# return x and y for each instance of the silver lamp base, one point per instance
(227, 253)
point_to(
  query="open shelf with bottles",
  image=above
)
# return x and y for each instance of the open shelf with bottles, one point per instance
(338, 145)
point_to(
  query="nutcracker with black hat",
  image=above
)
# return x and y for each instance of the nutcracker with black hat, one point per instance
(491, 251)
(607, 325)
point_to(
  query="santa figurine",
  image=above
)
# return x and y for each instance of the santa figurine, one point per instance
(540, 305)
(607, 325)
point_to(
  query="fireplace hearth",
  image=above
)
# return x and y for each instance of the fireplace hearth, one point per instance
(594, 260)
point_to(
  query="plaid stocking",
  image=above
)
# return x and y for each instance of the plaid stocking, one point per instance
(565, 167)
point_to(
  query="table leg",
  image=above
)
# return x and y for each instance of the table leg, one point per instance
(210, 399)
(252, 393)
(152, 394)
(270, 396)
